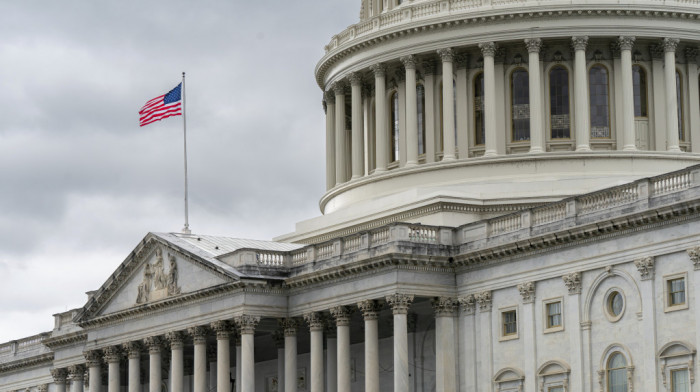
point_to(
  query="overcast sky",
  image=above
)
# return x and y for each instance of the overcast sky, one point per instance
(81, 184)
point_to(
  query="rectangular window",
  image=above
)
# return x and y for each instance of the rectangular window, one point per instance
(510, 323)
(676, 291)
(679, 381)
(555, 389)
(554, 315)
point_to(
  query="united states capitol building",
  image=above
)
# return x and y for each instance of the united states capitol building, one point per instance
(512, 204)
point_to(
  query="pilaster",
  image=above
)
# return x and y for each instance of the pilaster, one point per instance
(445, 361)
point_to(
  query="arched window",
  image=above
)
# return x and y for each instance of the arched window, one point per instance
(394, 155)
(420, 100)
(679, 102)
(639, 82)
(559, 103)
(479, 129)
(600, 108)
(617, 373)
(520, 104)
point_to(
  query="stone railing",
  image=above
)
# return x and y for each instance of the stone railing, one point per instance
(425, 10)
(31, 344)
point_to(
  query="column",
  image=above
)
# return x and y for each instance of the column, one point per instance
(112, 356)
(429, 84)
(316, 327)
(239, 356)
(657, 99)
(331, 358)
(467, 345)
(223, 331)
(290, 354)
(133, 353)
(399, 306)
(357, 149)
(342, 320)
(340, 158)
(176, 340)
(59, 379)
(694, 256)
(329, 108)
(573, 311)
(370, 313)
(409, 62)
(691, 56)
(382, 138)
(448, 107)
(367, 124)
(153, 343)
(199, 338)
(278, 337)
(445, 359)
(527, 292)
(649, 371)
(673, 141)
(485, 340)
(626, 44)
(246, 325)
(93, 362)
(488, 50)
(461, 98)
(211, 366)
(537, 134)
(76, 373)
(581, 108)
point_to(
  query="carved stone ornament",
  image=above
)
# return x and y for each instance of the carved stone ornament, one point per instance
(133, 349)
(156, 284)
(246, 323)
(341, 314)
(199, 334)
(462, 60)
(112, 354)
(223, 329)
(338, 88)
(153, 343)
(579, 43)
(176, 339)
(468, 304)
(329, 97)
(573, 282)
(518, 60)
(289, 326)
(315, 321)
(488, 48)
(598, 55)
(76, 372)
(694, 254)
(533, 45)
(59, 375)
(656, 52)
(527, 291)
(370, 309)
(625, 42)
(446, 55)
(691, 55)
(399, 302)
(93, 358)
(378, 69)
(670, 44)
(409, 62)
(429, 67)
(645, 266)
(278, 337)
(444, 306)
(42, 388)
(484, 300)
(355, 78)
(558, 57)
(615, 50)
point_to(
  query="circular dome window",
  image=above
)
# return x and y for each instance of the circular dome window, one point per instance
(614, 304)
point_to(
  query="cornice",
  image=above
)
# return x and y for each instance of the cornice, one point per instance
(65, 340)
(26, 362)
(489, 16)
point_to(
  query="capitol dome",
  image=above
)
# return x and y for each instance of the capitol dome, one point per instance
(616, 100)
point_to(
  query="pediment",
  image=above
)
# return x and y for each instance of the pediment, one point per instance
(156, 272)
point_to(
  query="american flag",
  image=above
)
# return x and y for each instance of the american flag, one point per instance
(158, 108)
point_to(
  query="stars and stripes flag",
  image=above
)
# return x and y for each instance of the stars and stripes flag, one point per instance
(161, 107)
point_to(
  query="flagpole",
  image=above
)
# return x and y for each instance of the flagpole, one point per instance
(186, 229)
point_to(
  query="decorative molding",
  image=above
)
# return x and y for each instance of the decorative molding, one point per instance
(370, 309)
(21, 364)
(484, 300)
(488, 49)
(573, 282)
(246, 323)
(444, 306)
(65, 340)
(694, 254)
(468, 304)
(315, 320)
(399, 303)
(645, 266)
(580, 42)
(156, 284)
(342, 315)
(527, 291)
(534, 45)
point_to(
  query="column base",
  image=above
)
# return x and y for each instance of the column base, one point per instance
(536, 150)
(411, 164)
(379, 171)
(355, 177)
(448, 158)
(583, 148)
(674, 149)
(490, 153)
(629, 147)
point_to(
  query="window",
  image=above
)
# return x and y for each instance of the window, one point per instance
(679, 381)
(676, 296)
(554, 314)
(420, 95)
(617, 373)
(556, 389)
(520, 105)
(394, 153)
(509, 321)
(614, 304)
(479, 129)
(639, 82)
(679, 102)
(599, 103)
(559, 103)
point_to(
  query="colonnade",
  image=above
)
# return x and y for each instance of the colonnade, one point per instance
(342, 167)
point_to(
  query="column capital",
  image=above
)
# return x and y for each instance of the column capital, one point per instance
(176, 339)
(329, 97)
(527, 291)
(315, 321)
(579, 42)
(694, 255)
(133, 349)
(409, 62)
(534, 45)
(278, 337)
(246, 323)
(399, 302)
(342, 315)
(378, 69)
(59, 375)
(645, 266)
(223, 329)
(76, 372)
(92, 358)
(355, 78)
(289, 325)
(444, 306)
(447, 55)
(488, 49)
(670, 44)
(484, 300)
(429, 67)
(691, 54)
(199, 334)
(462, 60)
(626, 42)
(338, 88)
(42, 388)
(573, 282)
(112, 354)
(468, 304)
(370, 309)
(153, 343)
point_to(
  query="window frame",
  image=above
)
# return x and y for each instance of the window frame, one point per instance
(475, 110)
(394, 127)
(607, 305)
(549, 101)
(687, 375)
(513, 140)
(610, 109)
(545, 312)
(668, 307)
(643, 93)
(510, 336)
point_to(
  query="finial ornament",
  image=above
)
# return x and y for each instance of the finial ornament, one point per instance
(573, 282)
(315, 321)
(534, 45)
(379, 69)
(527, 291)
(399, 302)
(444, 306)
(409, 62)
(625, 42)
(580, 42)
(488, 49)
(670, 44)
(370, 309)
(645, 266)
(446, 54)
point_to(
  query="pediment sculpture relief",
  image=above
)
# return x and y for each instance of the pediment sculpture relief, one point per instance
(157, 284)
